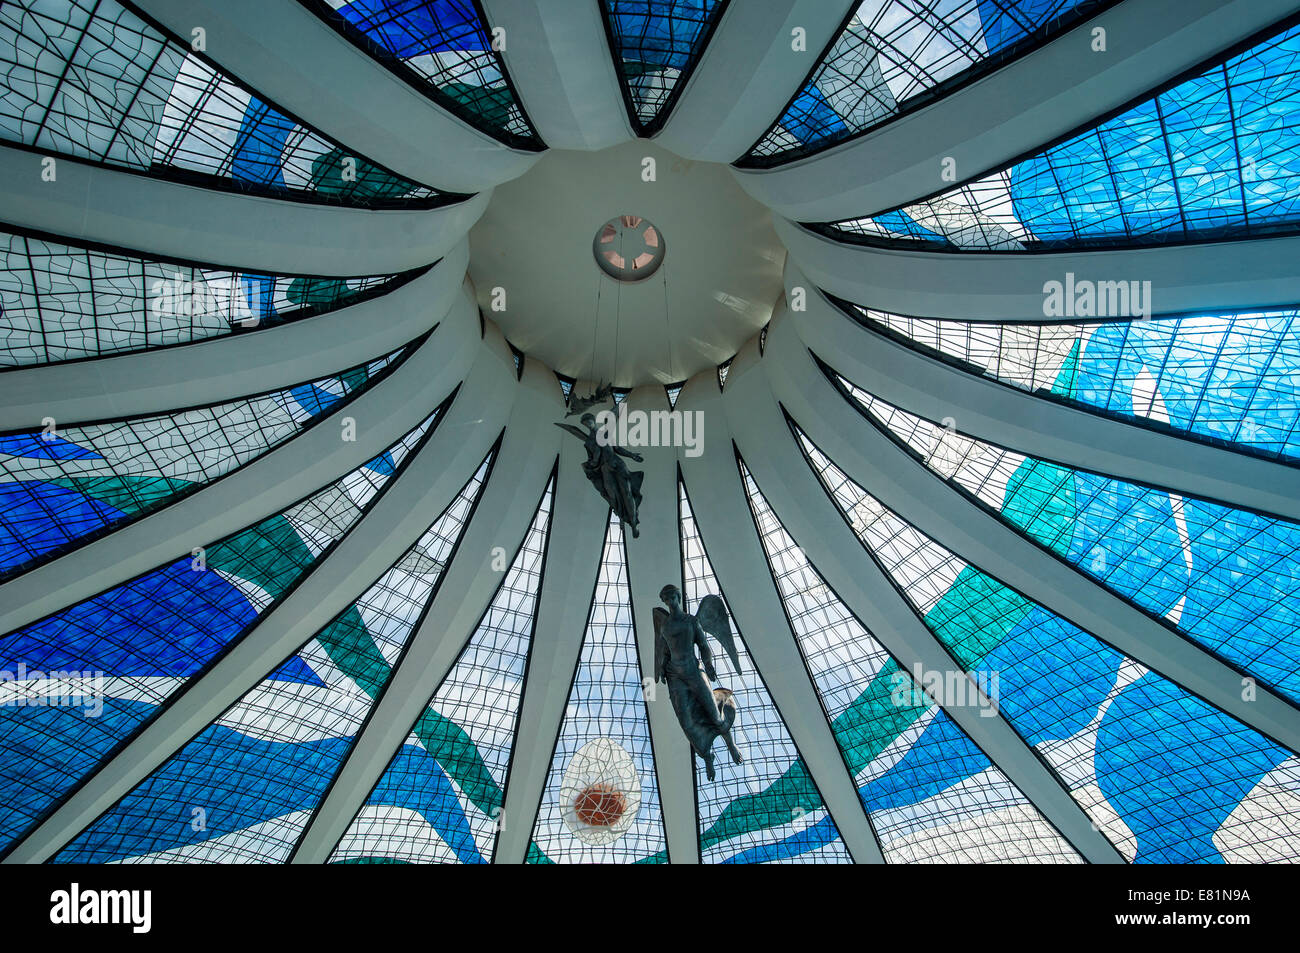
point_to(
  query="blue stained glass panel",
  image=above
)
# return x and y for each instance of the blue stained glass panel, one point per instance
(439, 799)
(62, 302)
(655, 45)
(738, 823)
(1099, 721)
(95, 80)
(1232, 378)
(83, 680)
(1216, 156)
(1225, 577)
(931, 794)
(446, 48)
(894, 54)
(93, 478)
(253, 777)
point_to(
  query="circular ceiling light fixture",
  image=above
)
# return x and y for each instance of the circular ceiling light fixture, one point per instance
(628, 248)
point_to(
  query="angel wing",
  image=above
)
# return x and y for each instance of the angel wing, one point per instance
(661, 646)
(576, 431)
(711, 614)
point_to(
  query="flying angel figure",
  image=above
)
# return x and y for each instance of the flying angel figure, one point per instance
(601, 394)
(704, 713)
(606, 471)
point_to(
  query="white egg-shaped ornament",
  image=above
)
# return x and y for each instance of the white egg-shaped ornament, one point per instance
(600, 792)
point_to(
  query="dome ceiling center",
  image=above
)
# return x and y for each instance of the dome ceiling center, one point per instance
(649, 312)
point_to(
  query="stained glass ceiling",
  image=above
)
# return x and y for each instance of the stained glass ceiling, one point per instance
(1072, 696)
(656, 44)
(446, 48)
(151, 635)
(66, 302)
(347, 668)
(62, 489)
(893, 55)
(96, 80)
(1212, 157)
(1228, 378)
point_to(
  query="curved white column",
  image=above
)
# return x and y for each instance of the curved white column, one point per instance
(238, 230)
(975, 286)
(1016, 419)
(213, 370)
(501, 519)
(1024, 105)
(577, 539)
(653, 561)
(921, 498)
(558, 58)
(424, 489)
(264, 486)
(809, 516)
(749, 65)
(727, 526)
(294, 59)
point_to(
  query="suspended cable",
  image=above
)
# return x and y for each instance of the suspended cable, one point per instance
(668, 329)
(618, 304)
(595, 328)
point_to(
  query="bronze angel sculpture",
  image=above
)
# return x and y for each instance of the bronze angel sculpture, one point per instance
(608, 473)
(705, 713)
(603, 393)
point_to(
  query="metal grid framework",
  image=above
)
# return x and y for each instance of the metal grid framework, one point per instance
(136, 644)
(1213, 157)
(895, 55)
(94, 80)
(1230, 378)
(63, 302)
(243, 790)
(607, 704)
(60, 488)
(440, 798)
(1223, 577)
(1081, 705)
(931, 794)
(761, 811)
(443, 48)
(656, 44)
